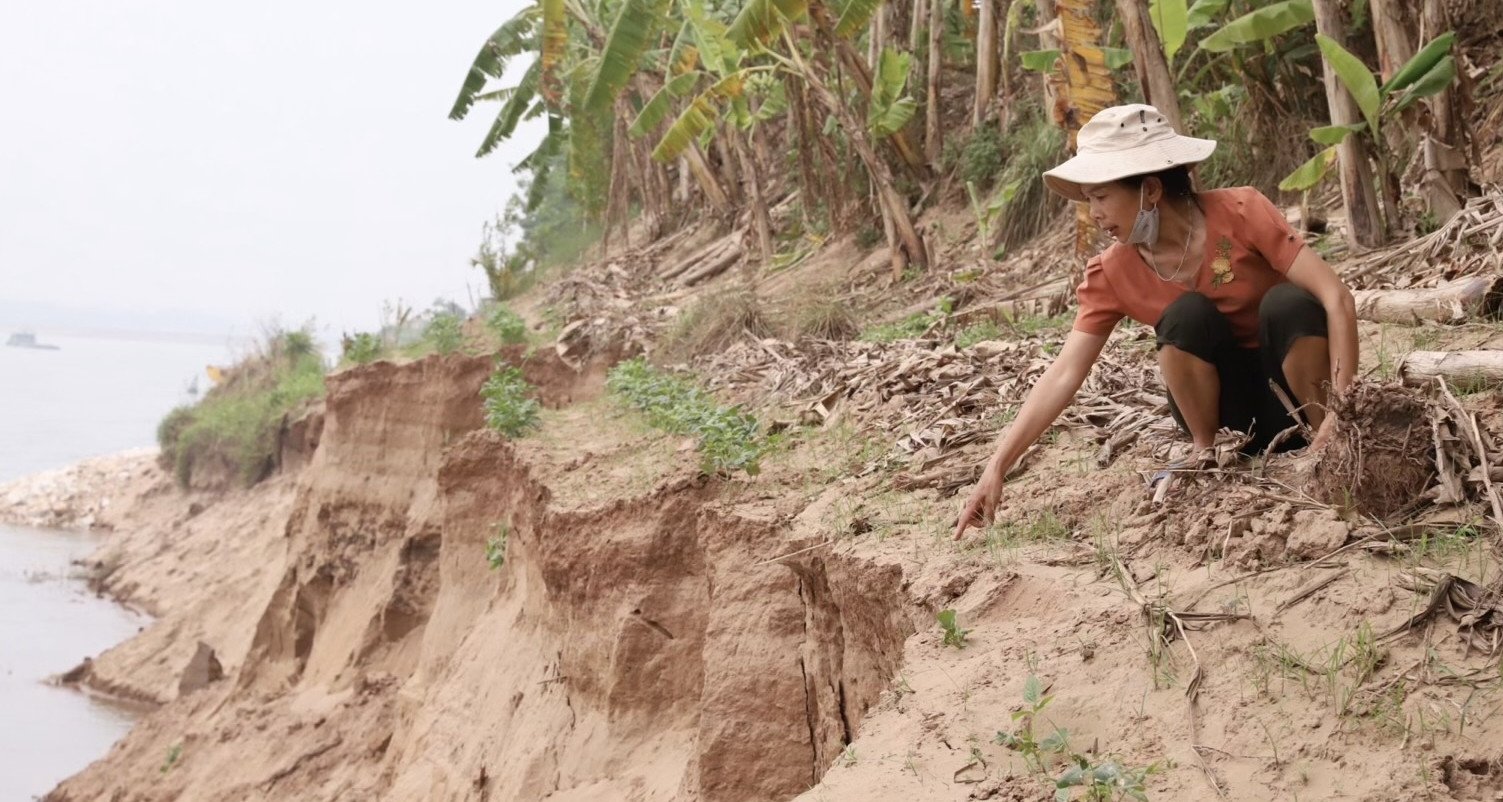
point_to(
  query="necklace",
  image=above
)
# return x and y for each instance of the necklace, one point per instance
(1183, 254)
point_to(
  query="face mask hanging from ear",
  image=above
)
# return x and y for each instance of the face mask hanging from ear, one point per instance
(1145, 229)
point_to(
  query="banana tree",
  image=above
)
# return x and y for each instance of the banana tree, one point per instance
(1428, 73)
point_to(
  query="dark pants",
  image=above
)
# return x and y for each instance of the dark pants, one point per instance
(1194, 325)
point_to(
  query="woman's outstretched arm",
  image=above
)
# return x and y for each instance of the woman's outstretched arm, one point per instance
(1050, 395)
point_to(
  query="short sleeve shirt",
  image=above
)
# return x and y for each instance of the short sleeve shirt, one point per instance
(1249, 249)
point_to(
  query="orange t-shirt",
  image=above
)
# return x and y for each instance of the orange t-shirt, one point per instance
(1249, 249)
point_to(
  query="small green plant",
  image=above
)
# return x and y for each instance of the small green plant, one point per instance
(509, 406)
(362, 348)
(954, 635)
(980, 332)
(1106, 781)
(508, 326)
(495, 547)
(913, 326)
(174, 754)
(1023, 739)
(983, 156)
(445, 332)
(729, 439)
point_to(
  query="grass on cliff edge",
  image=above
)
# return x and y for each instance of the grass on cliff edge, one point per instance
(238, 421)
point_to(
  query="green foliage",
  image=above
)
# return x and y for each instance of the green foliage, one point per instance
(1260, 25)
(982, 157)
(1171, 19)
(362, 348)
(1429, 72)
(1106, 781)
(911, 327)
(1023, 738)
(237, 422)
(506, 325)
(954, 635)
(495, 547)
(728, 438)
(445, 332)
(981, 332)
(889, 111)
(510, 407)
(1039, 60)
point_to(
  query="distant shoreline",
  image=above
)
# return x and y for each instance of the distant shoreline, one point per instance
(181, 338)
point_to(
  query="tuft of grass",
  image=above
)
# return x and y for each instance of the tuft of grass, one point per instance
(981, 332)
(1033, 144)
(510, 407)
(174, 754)
(508, 326)
(821, 316)
(911, 327)
(982, 156)
(729, 439)
(237, 422)
(713, 323)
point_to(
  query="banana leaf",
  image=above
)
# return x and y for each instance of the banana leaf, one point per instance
(1171, 19)
(1039, 60)
(684, 56)
(518, 100)
(1422, 63)
(856, 15)
(762, 20)
(1431, 83)
(1261, 25)
(1335, 134)
(657, 108)
(698, 118)
(1204, 12)
(1355, 76)
(636, 24)
(1310, 173)
(516, 36)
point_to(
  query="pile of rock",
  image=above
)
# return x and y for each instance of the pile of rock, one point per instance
(75, 497)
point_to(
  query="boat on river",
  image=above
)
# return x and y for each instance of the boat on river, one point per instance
(26, 339)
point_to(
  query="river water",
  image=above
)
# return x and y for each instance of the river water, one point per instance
(91, 397)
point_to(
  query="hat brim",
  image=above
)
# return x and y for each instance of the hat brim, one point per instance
(1101, 168)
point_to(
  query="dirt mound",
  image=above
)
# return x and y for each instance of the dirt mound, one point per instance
(1381, 455)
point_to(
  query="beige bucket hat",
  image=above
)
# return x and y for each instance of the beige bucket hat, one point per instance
(1123, 141)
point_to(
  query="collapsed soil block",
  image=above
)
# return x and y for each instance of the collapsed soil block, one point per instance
(1381, 454)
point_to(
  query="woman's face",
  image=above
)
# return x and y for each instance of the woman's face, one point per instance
(1114, 206)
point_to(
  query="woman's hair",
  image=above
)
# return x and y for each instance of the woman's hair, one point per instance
(1176, 180)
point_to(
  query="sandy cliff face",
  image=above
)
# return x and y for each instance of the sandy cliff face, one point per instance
(639, 641)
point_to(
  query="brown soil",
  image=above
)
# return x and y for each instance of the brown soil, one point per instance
(1381, 455)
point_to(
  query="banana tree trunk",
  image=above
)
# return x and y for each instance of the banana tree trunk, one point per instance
(761, 221)
(1088, 88)
(1364, 218)
(1447, 168)
(911, 241)
(1392, 21)
(1149, 61)
(706, 178)
(854, 66)
(933, 138)
(986, 62)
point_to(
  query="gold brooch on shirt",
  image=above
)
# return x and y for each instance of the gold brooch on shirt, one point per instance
(1222, 267)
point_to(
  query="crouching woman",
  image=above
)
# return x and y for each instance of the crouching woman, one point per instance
(1238, 302)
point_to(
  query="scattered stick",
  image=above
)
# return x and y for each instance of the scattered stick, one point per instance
(1310, 590)
(791, 554)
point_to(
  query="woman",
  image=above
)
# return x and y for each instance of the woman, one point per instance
(1233, 293)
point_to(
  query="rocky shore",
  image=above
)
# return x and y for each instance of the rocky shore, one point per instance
(78, 496)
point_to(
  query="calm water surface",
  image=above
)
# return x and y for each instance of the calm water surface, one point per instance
(91, 397)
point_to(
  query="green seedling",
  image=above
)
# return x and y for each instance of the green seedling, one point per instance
(954, 635)
(495, 547)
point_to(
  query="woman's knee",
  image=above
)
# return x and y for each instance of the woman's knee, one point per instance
(1194, 325)
(1289, 301)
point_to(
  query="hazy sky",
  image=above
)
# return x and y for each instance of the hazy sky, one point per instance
(247, 160)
